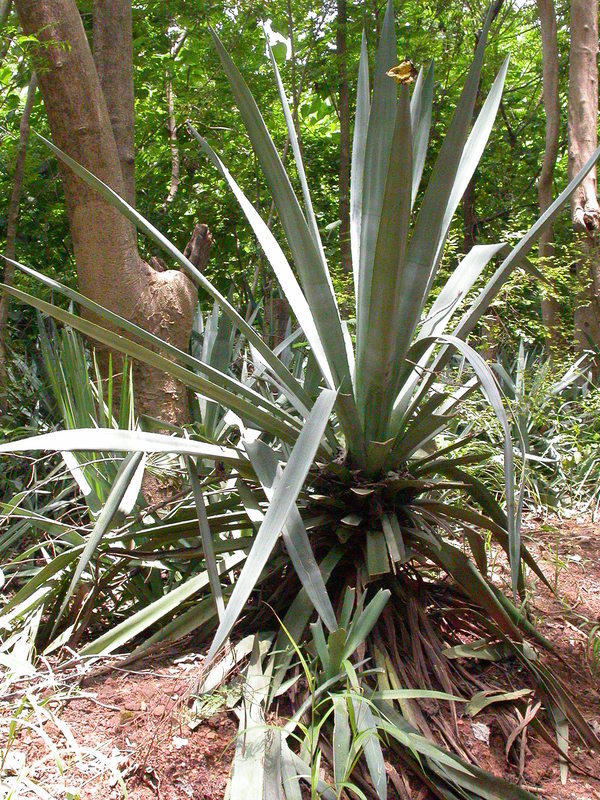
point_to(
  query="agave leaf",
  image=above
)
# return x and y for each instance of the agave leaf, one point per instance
(140, 621)
(416, 694)
(52, 572)
(245, 407)
(207, 538)
(293, 138)
(111, 440)
(490, 388)
(302, 770)
(288, 488)
(361, 124)
(129, 475)
(481, 700)
(377, 554)
(362, 625)
(341, 740)
(312, 270)
(377, 155)
(202, 615)
(248, 768)
(365, 723)
(519, 252)
(277, 260)
(428, 233)
(471, 155)
(296, 620)
(380, 329)
(421, 106)
(113, 199)
(457, 564)
(457, 287)
(268, 470)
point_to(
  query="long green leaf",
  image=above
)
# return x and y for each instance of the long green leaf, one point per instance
(130, 472)
(428, 228)
(471, 156)
(491, 391)
(131, 627)
(312, 270)
(266, 465)
(284, 498)
(207, 538)
(111, 440)
(113, 199)
(378, 144)
(276, 258)
(421, 106)
(266, 419)
(375, 370)
(212, 374)
(359, 141)
(519, 252)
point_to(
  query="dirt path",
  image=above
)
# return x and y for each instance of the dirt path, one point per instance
(131, 724)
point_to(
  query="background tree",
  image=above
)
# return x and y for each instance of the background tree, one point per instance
(11, 227)
(109, 268)
(583, 138)
(549, 305)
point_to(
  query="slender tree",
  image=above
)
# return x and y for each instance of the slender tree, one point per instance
(11, 227)
(547, 16)
(582, 129)
(109, 267)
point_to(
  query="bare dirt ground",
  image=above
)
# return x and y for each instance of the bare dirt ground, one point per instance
(130, 725)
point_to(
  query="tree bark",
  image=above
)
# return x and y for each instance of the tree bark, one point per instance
(547, 15)
(469, 217)
(113, 56)
(582, 122)
(344, 115)
(12, 222)
(109, 269)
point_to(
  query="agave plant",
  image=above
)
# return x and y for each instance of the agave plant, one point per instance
(330, 487)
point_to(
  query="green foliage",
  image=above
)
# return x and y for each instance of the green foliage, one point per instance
(330, 474)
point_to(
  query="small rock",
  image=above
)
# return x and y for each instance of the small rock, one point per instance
(179, 742)
(158, 711)
(481, 732)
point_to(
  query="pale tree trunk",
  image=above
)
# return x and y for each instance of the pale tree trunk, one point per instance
(344, 115)
(12, 222)
(113, 56)
(5, 6)
(172, 124)
(109, 269)
(582, 122)
(547, 15)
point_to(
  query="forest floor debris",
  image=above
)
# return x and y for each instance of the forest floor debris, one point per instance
(128, 728)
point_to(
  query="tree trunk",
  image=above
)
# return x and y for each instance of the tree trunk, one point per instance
(109, 269)
(469, 217)
(547, 15)
(582, 121)
(113, 56)
(11, 229)
(344, 114)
